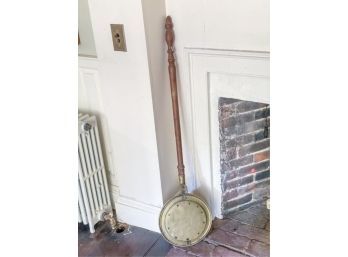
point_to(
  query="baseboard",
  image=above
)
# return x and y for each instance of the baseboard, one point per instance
(137, 214)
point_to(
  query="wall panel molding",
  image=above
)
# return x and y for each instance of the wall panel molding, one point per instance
(91, 101)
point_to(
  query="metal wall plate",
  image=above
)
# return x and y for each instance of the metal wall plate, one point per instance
(118, 38)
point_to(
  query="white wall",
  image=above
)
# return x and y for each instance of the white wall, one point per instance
(154, 18)
(223, 24)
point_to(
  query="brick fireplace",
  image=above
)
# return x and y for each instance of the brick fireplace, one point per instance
(244, 153)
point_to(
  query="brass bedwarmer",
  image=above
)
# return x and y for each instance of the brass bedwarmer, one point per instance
(185, 219)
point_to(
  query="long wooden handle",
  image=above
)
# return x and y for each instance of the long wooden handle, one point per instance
(174, 93)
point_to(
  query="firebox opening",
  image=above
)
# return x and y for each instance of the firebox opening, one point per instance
(244, 153)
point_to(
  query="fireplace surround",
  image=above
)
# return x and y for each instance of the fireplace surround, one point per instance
(210, 75)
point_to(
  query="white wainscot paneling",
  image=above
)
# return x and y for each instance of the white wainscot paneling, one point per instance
(213, 74)
(91, 101)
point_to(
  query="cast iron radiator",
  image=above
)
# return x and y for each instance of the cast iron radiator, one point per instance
(93, 193)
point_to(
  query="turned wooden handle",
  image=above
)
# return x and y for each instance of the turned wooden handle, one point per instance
(174, 93)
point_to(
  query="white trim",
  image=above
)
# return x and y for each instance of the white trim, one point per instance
(138, 214)
(212, 74)
(88, 62)
(134, 212)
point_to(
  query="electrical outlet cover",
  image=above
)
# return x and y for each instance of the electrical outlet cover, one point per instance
(118, 38)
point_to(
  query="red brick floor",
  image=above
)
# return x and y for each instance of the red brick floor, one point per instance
(244, 233)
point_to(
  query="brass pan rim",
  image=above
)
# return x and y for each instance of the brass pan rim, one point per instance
(179, 198)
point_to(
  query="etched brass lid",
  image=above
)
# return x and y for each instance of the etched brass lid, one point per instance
(185, 220)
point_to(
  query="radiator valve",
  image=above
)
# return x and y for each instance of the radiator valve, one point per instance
(109, 217)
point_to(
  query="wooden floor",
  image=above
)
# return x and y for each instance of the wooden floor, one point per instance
(134, 241)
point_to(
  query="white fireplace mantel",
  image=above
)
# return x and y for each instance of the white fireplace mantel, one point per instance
(216, 73)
